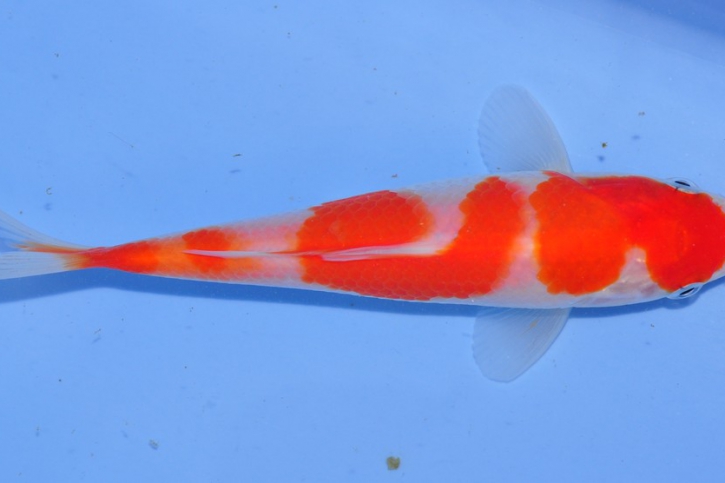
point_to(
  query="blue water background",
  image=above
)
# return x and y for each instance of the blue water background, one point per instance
(123, 120)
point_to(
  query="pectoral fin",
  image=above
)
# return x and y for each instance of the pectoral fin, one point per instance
(516, 134)
(506, 342)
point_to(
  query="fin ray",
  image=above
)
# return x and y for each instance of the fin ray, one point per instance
(25, 252)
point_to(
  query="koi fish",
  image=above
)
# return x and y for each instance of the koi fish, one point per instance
(530, 241)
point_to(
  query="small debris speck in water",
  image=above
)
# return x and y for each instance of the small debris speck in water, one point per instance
(393, 463)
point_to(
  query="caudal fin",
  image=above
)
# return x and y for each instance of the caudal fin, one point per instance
(25, 252)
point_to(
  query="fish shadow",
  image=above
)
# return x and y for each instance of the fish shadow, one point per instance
(30, 288)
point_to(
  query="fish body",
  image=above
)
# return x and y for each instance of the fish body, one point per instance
(533, 240)
(526, 240)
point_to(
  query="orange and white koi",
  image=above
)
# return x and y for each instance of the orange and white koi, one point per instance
(533, 240)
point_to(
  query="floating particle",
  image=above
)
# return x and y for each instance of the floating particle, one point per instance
(393, 463)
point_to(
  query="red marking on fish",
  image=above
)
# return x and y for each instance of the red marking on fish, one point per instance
(471, 265)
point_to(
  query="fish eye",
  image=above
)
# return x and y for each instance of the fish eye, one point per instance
(682, 184)
(686, 291)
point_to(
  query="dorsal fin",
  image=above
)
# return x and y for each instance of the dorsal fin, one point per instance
(516, 134)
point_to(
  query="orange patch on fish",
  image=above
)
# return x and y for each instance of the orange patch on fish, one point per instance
(471, 265)
(581, 242)
(169, 256)
(382, 218)
(587, 226)
(211, 239)
(682, 233)
(137, 257)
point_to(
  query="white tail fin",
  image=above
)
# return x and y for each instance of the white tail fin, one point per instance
(25, 252)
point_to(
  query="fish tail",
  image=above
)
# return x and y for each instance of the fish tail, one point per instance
(25, 252)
